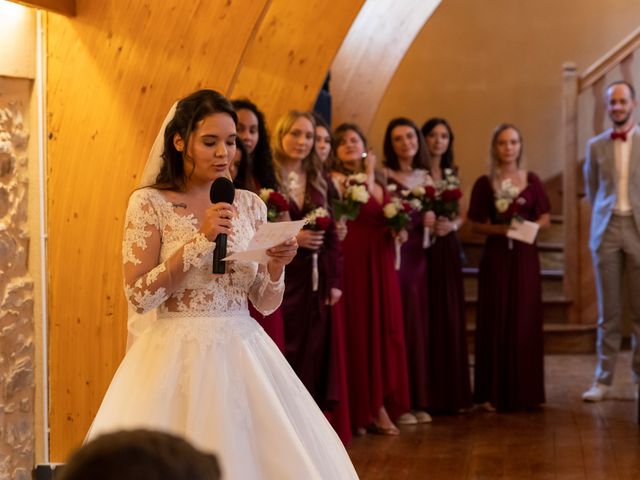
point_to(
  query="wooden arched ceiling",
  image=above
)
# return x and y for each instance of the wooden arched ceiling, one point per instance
(370, 54)
(286, 64)
(113, 72)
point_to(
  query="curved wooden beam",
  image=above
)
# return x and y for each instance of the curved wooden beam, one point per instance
(370, 55)
(113, 72)
(65, 7)
(287, 61)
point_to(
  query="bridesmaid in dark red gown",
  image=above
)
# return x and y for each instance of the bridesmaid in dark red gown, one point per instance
(450, 387)
(376, 357)
(307, 307)
(406, 161)
(339, 415)
(509, 370)
(256, 172)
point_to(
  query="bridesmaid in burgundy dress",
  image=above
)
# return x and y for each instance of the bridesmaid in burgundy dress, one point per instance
(449, 388)
(509, 370)
(407, 165)
(307, 305)
(338, 416)
(376, 357)
(255, 171)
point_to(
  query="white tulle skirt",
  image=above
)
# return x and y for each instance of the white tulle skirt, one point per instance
(221, 383)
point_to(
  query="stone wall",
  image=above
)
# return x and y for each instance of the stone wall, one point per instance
(17, 391)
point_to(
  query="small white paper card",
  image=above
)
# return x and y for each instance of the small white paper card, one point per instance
(268, 235)
(523, 231)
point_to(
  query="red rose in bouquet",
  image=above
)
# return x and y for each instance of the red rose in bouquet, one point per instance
(276, 203)
(318, 219)
(447, 201)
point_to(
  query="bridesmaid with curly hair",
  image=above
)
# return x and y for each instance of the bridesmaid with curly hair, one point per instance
(376, 357)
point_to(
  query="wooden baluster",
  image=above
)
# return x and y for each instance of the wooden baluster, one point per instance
(569, 187)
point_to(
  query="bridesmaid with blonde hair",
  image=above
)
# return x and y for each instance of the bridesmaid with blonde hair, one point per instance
(313, 278)
(509, 370)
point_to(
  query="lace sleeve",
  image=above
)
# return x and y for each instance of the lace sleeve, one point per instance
(265, 295)
(149, 283)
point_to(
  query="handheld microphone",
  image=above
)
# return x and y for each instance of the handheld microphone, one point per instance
(222, 190)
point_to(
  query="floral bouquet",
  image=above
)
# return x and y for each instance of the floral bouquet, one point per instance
(355, 195)
(317, 220)
(507, 202)
(276, 203)
(447, 201)
(397, 214)
(422, 199)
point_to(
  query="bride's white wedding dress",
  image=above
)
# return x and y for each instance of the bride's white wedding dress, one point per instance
(204, 369)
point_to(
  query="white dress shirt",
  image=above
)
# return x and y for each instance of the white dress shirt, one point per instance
(622, 155)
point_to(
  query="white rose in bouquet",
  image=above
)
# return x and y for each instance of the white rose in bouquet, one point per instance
(359, 193)
(264, 194)
(418, 191)
(502, 205)
(416, 204)
(390, 210)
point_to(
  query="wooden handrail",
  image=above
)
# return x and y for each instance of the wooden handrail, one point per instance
(609, 61)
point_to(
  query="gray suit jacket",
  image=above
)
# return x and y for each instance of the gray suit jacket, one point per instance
(601, 180)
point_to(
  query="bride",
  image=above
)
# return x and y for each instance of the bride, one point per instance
(198, 365)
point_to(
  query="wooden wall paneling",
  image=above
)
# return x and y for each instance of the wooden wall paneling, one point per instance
(113, 72)
(287, 61)
(370, 55)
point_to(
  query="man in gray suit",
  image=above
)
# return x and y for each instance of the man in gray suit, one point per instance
(612, 181)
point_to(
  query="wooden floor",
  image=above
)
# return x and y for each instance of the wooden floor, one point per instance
(566, 440)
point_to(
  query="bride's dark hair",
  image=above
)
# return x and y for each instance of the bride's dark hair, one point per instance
(189, 112)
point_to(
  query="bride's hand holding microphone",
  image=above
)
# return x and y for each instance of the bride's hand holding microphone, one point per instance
(217, 220)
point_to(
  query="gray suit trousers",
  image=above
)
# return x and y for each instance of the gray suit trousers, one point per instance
(618, 252)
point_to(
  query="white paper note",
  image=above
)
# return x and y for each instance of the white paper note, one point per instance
(523, 231)
(268, 235)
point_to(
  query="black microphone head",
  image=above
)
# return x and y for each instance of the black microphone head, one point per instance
(222, 190)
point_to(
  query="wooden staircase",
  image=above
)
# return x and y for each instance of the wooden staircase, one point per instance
(583, 116)
(560, 334)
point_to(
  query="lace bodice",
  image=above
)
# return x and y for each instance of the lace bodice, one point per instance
(167, 262)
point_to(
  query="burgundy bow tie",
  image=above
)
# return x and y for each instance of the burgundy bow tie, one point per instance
(621, 135)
